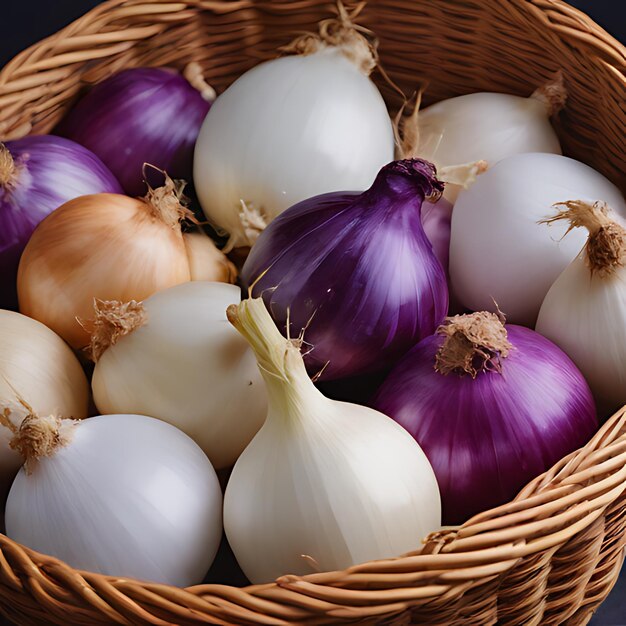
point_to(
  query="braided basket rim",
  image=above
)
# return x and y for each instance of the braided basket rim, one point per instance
(563, 502)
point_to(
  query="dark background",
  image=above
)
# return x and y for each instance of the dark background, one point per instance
(24, 22)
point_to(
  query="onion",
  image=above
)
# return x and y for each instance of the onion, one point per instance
(491, 407)
(585, 310)
(484, 126)
(104, 246)
(42, 368)
(122, 495)
(292, 128)
(355, 270)
(499, 251)
(142, 115)
(37, 175)
(324, 484)
(206, 262)
(174, 357)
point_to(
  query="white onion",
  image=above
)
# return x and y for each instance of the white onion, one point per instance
(126, 496)
(584, 312)
(324, 484)
(289, 129)
(488, 127)
(40, 367)
(186, 365)
(498, 249)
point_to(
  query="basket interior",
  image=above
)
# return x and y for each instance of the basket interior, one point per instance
(447, 47)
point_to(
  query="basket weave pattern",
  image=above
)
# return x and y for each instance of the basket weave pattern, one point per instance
(550, 556)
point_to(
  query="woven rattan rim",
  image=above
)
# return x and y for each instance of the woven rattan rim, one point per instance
(548, 557)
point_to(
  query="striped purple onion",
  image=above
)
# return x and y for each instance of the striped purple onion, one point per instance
(356, 270)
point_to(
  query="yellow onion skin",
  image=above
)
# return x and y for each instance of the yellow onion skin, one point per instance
(38, 367)
(105, 246)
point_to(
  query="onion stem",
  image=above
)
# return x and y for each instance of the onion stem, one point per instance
(606, 247)
(553, 94)
(291, 392)
(355, 42)
(473, 343)
(193, 75)
(254, 322)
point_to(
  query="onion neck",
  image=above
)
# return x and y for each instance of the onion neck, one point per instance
(194, 76)
(37, 436)
(8, 169)
(291, 393)
(414, 179)
(113, 320)
(473, 343)
(605, 250)
(355, 42)
(553, 94)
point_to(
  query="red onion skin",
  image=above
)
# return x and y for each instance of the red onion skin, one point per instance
(49, 172)
(356, 270)
(487, 437)
(142, 115)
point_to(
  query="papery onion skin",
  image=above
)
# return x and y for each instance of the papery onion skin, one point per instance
(140, 115)
(128, 496)
(487, 437)
(356, 271)
(47, 172)
(38, 366)
(322, 126)
(105, 246)
(499, 252)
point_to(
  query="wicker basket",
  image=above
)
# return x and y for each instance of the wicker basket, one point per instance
(549, 557)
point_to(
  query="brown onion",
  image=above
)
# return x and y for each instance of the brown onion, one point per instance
(104, 246)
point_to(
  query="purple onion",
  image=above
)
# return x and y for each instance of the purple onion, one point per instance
(143, 115)
(489, 415)
(37, 175)
(356, 270)
(437, 223)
